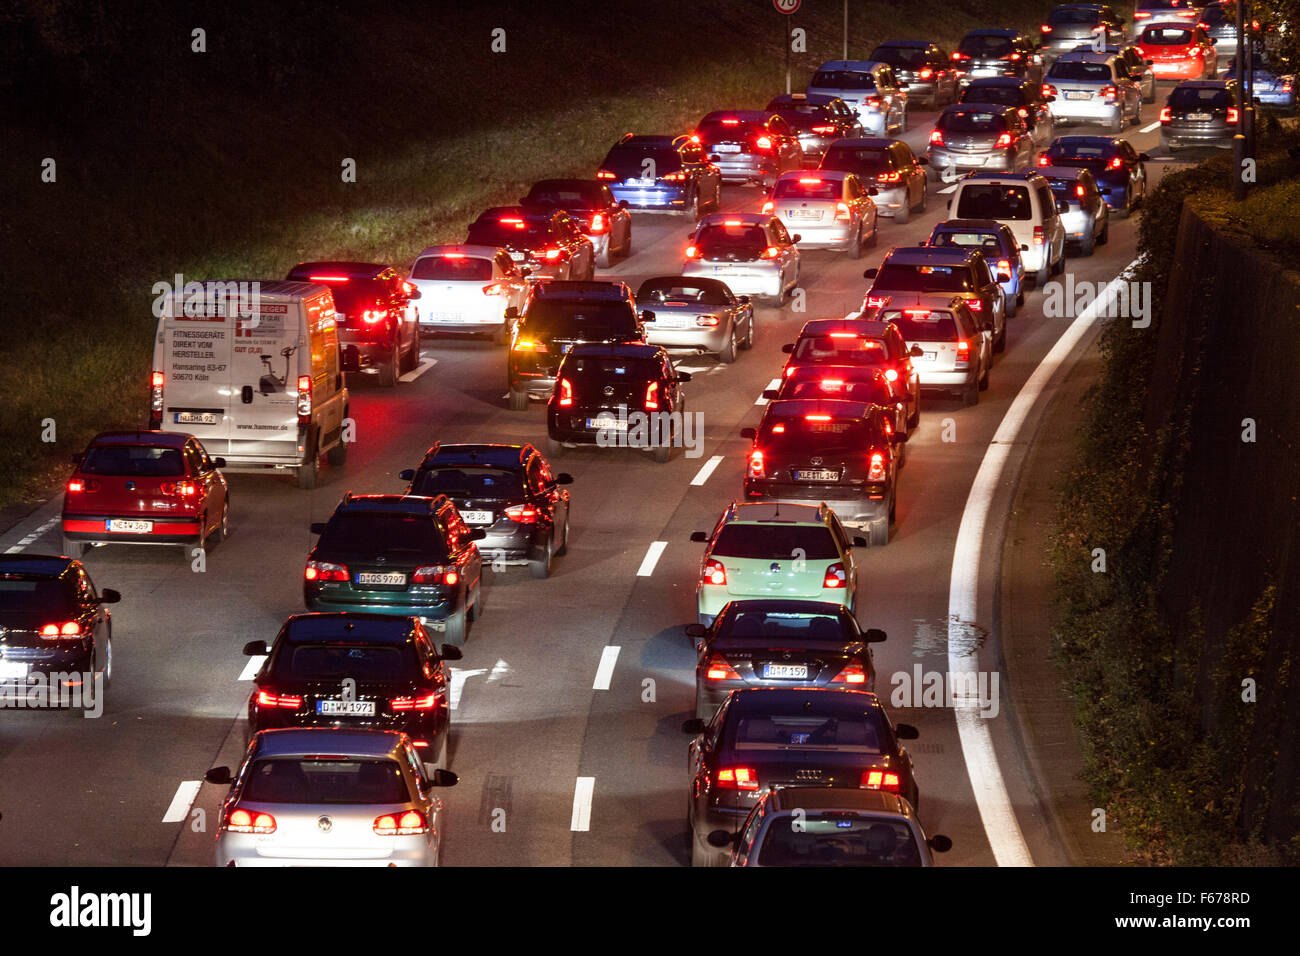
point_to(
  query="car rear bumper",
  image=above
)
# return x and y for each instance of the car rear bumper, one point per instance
(654, 197)
(947, 379)
(247, 849)
(1078, 224)
(940, 159)
(1174, 136)
(744, 167)
(166, 530)
(1177, 69)
(1084, 111)
(854, 510)
(837, 234)
(696, 340)
(317, 600)
(73, 662)
(889, 201)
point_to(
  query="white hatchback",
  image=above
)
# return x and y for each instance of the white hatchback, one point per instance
(468, 289)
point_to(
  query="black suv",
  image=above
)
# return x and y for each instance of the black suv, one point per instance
(998, 53)
(509, 492)
(378, 328)
(546, 241)
(617, 396)
(52, 620)
(557, 316)
(839, 452)
(1026, 97)
(355, 672)
(602, 218)
(924, 67)
(397, 554)
(1200, 113)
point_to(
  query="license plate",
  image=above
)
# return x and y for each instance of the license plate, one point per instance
(345, 708)
(1198, 117)
(518, 256)
(1078, 95)
(12, 670)
(804, 214)
(670, 322)
(817, 475)
(129, 527)
(381, 577)
(727, 148)
(196, 418)
(786, 671)
(984, 71)
(477, 517)
(607, 423)
(447, 316)
(929, 356)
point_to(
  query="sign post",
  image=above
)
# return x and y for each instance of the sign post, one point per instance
(788, 8)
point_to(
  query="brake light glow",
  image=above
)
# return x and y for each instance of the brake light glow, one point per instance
(1109, 92)
(832, 383)
(891, 375)
(304, 399)
(842, 212)
(1044, 160)
(719, 669)
(756, 466)
(1046, 28)
(926, 73)
(432, 574)
(522, 514)
(963, 352)
(824, 130)
(66, 629)
(241, 821)
(1166, 115)
(552, 253)
(894, 176)
(1004, 265)
(529, 345)
(809, 181)
(598, 224)
(738, 778)
(1003, 141)
(936, 137)
(407, 823)
(706, 321)
(876, 301)
(1049, 89)
(1232, 114)
(817, 418)
(509, 221)
(328, 278)
(453, 255)
(428, 701)
(876, 467)
(179, 489)
(731, 122)
(155, 399)
(885, 780)
(86, 485)
(693, 252)
(269, 698)
(732, 222)
(677, 177)
(325, 571)
(961, 56)
(836, 576)
(763, 142)
(1038, 235)
(604, 174)
(652, 396)
(371, 316)
(566, 393)
(771, 252)
(714, 572)
(851, 674)
(769, 207)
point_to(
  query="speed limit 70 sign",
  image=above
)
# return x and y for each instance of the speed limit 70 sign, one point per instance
(787, 6)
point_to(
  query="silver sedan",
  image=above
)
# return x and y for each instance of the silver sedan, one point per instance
(695, 315)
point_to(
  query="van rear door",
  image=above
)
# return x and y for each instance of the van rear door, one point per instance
(268, 337)
(193, 351)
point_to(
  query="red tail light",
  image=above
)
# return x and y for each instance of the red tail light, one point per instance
(598, 224)
(83, 485)
(371, 316)
(269, 698)
(1232, 114)
(963, 352)
(1013, 56)
(891, 375)
(1024, 113)
(769, 207)
(1003, 141)
(241, 821)
(407, 823)
(304, 399)
(693, 252)
(1038, 235)
(936, 137)
(851, 674)
(428, 701)
(1046, 28)
(719, 669)
(1141, 15)
(677, 177)
(756, 467)
(926, 73)
(886, 780)
(714, 572)
(1049, 89)
(976, 305)
(324, 571)
(652, 397)
(1004, 265)
(706, 321)
(1166, 115)
(1044, 161)
(896, 176)
(552, 253)
(1115, 163)
(824, 130)
(763, 142)
(836, 576)
(876, 302)
(961, 56)
(156, 399)
(64, 630)
(738, 778)
(1109, 92)
(876, 467)
(842, 212)
(522, 514)
(1079, 190)
(771, 252)
(433, 574)
(529, 345)
(566, 393)
(604, 174)
(179, 489)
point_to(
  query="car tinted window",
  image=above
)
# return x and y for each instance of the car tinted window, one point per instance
(843, 80)
(1001, 95)
(967, 240)
(994, 201)
(723, 239)
(373, 533)
(920, 326)
(1065, 15)
(1187, 97)
(25, 593)
(839, 839)
(361, 662)
(129, 460)
(791, 433)
(897, 277)
(448, 269)
(819, 722)
(903, 57)
(467, 481)
(744, 627)
(847, 349)
(985, 45)
(863, 161)
(1079, 70)
(576, 195)
(1166, 36)
(808, 187)
(680, 292)
(775, 542)
(972, 121)
(307, 780)
(587, 321)
(629, 162)
(613, 369)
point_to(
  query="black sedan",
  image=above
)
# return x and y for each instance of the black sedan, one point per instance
(780, 643)
(355, 672)
(762, 738)
(52, 621)
(1118, 168)
(589, 202)
(507, 491)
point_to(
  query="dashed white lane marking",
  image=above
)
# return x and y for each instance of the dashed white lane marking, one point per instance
(458, 678)
(651, 559)
(252, 667)
(775, 383)
(1150, 126)
(419, 370)
(994, 803)
(708, 468)
(179, 808)
(716, 369)
(605, 670)
(33, 537)
(499, 670)
(582, 793)
(691, 369)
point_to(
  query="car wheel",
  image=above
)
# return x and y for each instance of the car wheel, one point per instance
(1009, 306)
(388, 373)
(1000, 342)
(1122, 212)
(540, 568)
(925, 198)
(338, 455)
(855, 249)
(307, 470)
(1137, 116)
(223, 529)
(1042, 275)
(971, 395)
(904, 214)
(605, 258)
(915, 418)
(1105, 235)
(1059, 267)
(662, 453)
(1087, 246)
(1117, 124)
(413, 359)
(456, 626)
(554, 449)
(73, 549)
(748, 342)
(563, 549)
(705, 855)
(518, 400)
(984, 381)
(728, 353)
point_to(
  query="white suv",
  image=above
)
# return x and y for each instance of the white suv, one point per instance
(1024, 202)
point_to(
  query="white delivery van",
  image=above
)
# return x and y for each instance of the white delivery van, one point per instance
(251, 369)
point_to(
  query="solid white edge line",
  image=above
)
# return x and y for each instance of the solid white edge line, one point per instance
(252, 667)
(33, 537)
(419, 370)
(582, 793)
(992, 800)
(179, 808)
(706, 469)
(651, 559)
(1150, 126)
(605, 670)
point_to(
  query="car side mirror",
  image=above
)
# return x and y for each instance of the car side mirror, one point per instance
(859, 541)
(318, 527)
(1062, 206)
(939, 843)
(564, 478)
(869, 273)
(714, 157)
(749, 433)
(696, 630)
(622, 204)
(1004, 276)
(874, 635)
(906, 732)
(699, 536)
(477, 534)
(1143, 157)
(916, 351)
(873, 191)
(647, 316)
(109, 596)
(682, 376)
(407, 474)
(450, 652)
(693, 726)
(722, 838)
(512, 311)
(1024, 247)
(218, 775)
(743, 299)
(771, 393)
(922, 161)
(796, 237)
(255, 649)
(218, 463)
(443, 778)
(788, 348)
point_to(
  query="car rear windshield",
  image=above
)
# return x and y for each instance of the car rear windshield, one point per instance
(985, 45)
(1215, 14)
(722, 131)
(612, 368)
(808, 187)
(973, 121)
(985, 241)
(843, 80)
(904, 56)
(723, 239)
(1080, 70)
(830, 838)
(29, 593)
(636, 162)
(921, 326)
(361, 662)
(1074, 154)
(814, 723)
(574, 196)
(744, 627)
(864, 161)
(349, 294)
(1001, 95)
(315, 780)
(897, 277)
(466, 481)
(583, 321)
(1193, 97)
(452, 269)
(142, 460)
(362, 532)
(1167, 5)
(775, 542)
(837, 386)
(826, 433)
(1063, 15)
(805, 116)
(680, 292)
(514, 231)
(845, 349)
(1166, 36)
(994, 201)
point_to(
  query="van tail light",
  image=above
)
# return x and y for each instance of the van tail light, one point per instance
(65, 630)
(738, 778)
(598, 223)
(429, 701)
(1166, 115)
(714, 572)
(325, 571)
(936, 137)
(304, 399)
(156, 400)
(604, 174)
(83, 486)
(886, 780)
(771, 252)
(756, 467)
(433, 574)
(269, 698)
(1079, 190)
(876, 467)
(763, 143)
(693, 252)
(769, 207)
(652, 397)
(529, 345)
(963, 353)
(1003, 142)
(566, 393)
(836, 576)
(406, 823)
(1109, 92)
(1038, 235)
(179, 489)
(719, 669)
(522, 514)
(842, 212)
(241, 821)
(824, 130)
(1232, 114)
(852, 673)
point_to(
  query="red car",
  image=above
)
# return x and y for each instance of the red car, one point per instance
(1178, 51)
(145, 487)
